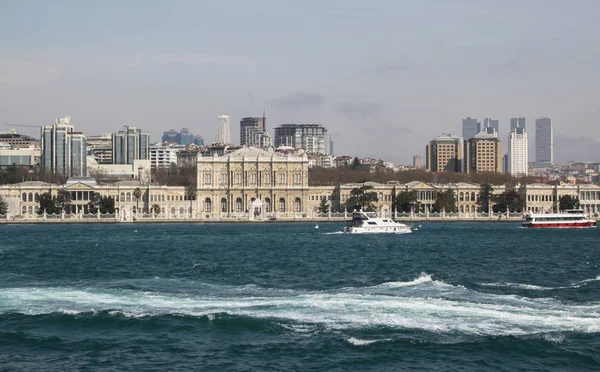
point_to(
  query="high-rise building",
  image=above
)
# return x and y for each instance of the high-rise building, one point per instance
(100, 148)
(183, 137)
(470, 128)
(64, 151)
(445, 154)
(245, 125)
(223, 136)
(491, 126)
(544, 142)
(312, 138)
(517, 123)
(483, 153)
(517, 159)
(418, 162)
(130, 144)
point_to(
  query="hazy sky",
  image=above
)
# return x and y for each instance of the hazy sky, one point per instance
(384, 76)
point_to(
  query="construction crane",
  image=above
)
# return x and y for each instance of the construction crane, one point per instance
(22, 125)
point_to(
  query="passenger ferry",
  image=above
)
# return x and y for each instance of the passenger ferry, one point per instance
(568, 219)
(370, 223)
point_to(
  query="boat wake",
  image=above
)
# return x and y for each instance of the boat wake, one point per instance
(539, 287)
(420, 304)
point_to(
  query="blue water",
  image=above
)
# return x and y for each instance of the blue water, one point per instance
(289, 297)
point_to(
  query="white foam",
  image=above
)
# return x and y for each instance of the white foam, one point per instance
(358, 342)
(424, 278)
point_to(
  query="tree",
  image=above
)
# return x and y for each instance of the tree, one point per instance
(407, 201)
(47, 204)
(137, 193)
(3, 206)
(485, 196)
(104, 204)
(156, 208)
(62, 201)
(361, 198)
(568, 202)
(190, 192)
(445, 201)
(509, 200)
(324, 206)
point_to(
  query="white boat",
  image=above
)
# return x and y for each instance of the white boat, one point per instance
(370, 223)
(575, 218)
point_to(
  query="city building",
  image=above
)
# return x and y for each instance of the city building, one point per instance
(100, 148)
(418, 162)
(24, 156)
(183, 137)
(517, 159)
(139, 170)
(483, 153)
(312, 138)
(63, 151)
(163, 156)
(256, 123)
(223, 135)
(130, 144)
(491, 126)
(517, 123)
(16, 140)
(252, 181)
(445, 154)
(470, 128)
(544, 142)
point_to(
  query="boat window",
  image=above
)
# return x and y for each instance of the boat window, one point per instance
(372, 223)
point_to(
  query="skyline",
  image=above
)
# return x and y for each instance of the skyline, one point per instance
(403, 78)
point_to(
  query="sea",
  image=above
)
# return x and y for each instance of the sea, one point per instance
(294, 297)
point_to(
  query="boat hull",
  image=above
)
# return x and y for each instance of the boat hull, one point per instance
(560, 225)
(377, 230)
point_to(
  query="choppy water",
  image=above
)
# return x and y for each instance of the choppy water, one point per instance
(289, 297)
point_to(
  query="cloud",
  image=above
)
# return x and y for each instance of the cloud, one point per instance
(299, 99)
(360, 110)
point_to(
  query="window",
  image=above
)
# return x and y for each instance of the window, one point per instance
(282, 205)
(207, 178)
(238, 205)
(297, 178)
(238, 178)
(30, 197)
(267, 205)
(181, 211)
(282, 178)
(297, 205)
(223, 178)
(252, 178)
(223, 205)
(24, 209)
(128, 196)
(24, 197)
(208, 205)
(37, 197)
(122, 197)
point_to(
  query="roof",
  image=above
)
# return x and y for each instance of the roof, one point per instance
(84, 180)
(33, 183)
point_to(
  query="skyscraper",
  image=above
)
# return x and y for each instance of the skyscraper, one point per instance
(517, 160)
(517, 123)
(470, 128)
(130, 144)
(483, 153)
(445, 154)
(491, 126)
(223, 136)
(312, 138)
(64, 151)
(544, 142)
(417, 162)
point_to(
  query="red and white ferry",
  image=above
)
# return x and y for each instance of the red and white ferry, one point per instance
(568, 219)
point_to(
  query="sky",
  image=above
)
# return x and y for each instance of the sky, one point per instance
(384, 76)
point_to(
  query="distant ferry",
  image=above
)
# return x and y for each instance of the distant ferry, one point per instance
(369, 223)
(569, 219)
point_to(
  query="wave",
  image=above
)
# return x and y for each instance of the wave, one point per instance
(539, 287)
(421, 304)
(358, 342)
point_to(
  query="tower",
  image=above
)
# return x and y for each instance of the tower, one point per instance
(223, 136)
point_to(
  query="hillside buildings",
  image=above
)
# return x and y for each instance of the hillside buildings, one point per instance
(130, 144)
(63, 151)
(483, 153)
(445, 154)
(544, 142)
(223, 134)
(312, 138)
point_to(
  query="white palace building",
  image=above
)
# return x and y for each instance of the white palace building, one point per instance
(254, 184)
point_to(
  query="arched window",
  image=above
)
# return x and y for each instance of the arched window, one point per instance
(238, 205)
(282, 205)
(30, 209)
(208, 205)
(461, 196)
(128, 196)
(24, 197)
(380, 197)
(30, 196)
(223, 205)
(122, 197)
(473, 196)
(267, 205)
(462, 208)
(297, 205)
(36, 197)
(24, 209)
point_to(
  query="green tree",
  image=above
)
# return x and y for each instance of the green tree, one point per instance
(445, 201)
(156, 208)
(104, 204)
(407, 201)
(509, 200)
(3, 206)
(324, 206)
(137, 194)
(568, 202)
(485, 197)
(47, 204)
(361, 198)
(63, 199)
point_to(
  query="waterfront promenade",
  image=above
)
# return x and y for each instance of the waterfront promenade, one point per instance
(248, 217)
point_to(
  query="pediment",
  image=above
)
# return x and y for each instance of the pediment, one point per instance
(79, 186)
